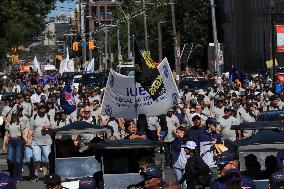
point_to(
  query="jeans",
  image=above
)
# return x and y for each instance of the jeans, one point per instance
(41, 152)
(179, 173)
(30, 160)
(15, 155)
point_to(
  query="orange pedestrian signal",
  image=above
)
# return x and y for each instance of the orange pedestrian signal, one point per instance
(15, 58)
(75, 46)
(91, 44)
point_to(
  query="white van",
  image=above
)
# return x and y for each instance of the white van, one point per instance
(126, 68)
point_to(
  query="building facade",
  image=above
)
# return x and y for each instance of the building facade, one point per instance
(247, 32)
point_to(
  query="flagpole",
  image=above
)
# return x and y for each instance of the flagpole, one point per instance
(135, 100)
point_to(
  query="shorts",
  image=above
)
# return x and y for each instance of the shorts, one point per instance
(41, 152)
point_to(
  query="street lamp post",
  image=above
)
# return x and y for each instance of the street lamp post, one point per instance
(176, 42)
(118, 44)
(145, 25)
(83, 31)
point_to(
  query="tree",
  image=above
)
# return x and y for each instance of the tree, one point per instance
(193, 23)
(21, 20)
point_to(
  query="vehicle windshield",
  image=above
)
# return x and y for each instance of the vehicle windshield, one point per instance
(128, 71)
(194, 84)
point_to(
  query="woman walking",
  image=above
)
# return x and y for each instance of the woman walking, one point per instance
(14, 139)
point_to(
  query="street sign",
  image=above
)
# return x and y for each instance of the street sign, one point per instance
(186, 51)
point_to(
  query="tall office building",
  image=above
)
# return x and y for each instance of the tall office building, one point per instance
(245, 30)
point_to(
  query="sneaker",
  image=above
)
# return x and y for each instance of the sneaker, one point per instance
(34, 179)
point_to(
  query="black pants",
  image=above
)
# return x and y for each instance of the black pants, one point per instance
(168, 155)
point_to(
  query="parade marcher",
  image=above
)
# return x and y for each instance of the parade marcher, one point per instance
(153, 129)
(153, 178)
(132, 131)
(114, 127)
(14, 139)
(225, 124)
(38, 96)
(39, 138)
(194, 131)
(197, 173)
(208, 139)
(276, 181)
(6, 182)
(6, 113)
(172, 124)
(179, 156)
(273, 103)
(228, 165)
(52, 181)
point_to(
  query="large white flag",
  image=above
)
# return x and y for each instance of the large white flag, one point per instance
(61, 68)
(119, 98)
(71, 65)
(37, 66)
(91, 66)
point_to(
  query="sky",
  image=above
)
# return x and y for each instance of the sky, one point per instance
(65, 7)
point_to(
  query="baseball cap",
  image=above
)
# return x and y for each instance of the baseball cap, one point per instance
(212, 121)
(87, 183)
(277, 178)
(195, 117)
(153, 171)
(225, 158)
(189, 144)
(52, 180)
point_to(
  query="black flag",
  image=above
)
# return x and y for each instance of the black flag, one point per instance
(146, 73)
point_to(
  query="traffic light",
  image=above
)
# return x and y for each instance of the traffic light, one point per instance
(91, 44)
(75, 46)
(15, 58)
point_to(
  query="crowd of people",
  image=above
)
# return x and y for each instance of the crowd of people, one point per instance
(189, 131)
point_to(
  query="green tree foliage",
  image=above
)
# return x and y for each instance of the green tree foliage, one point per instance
(193, 23)
(21, 20)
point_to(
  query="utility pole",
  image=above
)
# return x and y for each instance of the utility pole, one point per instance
(128, 37)
(106, 45)
(160, 41)
(145, 25)
(118, 44)
(82, 14)
(176, 43)
(217, 66)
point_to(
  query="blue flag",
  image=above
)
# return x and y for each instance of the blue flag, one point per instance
(67, 100)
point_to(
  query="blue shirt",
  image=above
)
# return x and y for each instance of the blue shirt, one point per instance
(194, 132)
(6, 182)
(246, 183)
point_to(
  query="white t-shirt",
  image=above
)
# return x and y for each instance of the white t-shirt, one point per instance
(171, 124)
(182, 159)
(153, 123)
(225, 126)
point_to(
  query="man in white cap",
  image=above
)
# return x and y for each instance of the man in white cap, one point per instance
(197, 172)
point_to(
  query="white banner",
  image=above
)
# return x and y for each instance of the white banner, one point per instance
(119, 98)
(37, 66)
(91, 66)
